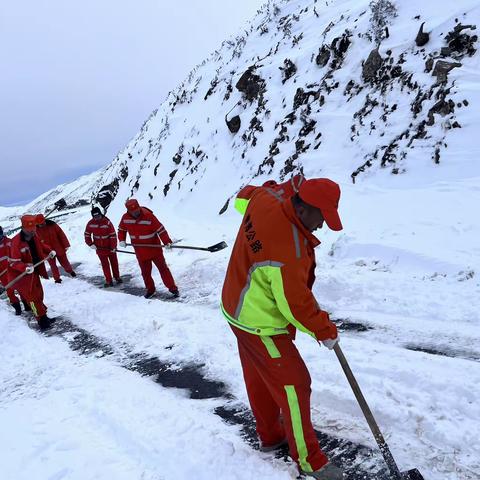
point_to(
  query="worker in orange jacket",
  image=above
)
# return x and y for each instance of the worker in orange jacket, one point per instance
(52, 234)
(147, 235)
(266, 296)
(26, 251)
(100, 235)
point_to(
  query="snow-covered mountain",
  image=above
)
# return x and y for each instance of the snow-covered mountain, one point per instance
(335, 88)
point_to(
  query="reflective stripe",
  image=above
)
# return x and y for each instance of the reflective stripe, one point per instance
(129, 221)
(297, 241)
(15, 259)
(273, 193)
(112, 235)
(93, 225)
(276, 284)
(145, 237)
(24, 249)
(264, 331)
(296, 420)
(145, 222)
(121, 229)
(271, 347)
(103, 226)
(300, 181)
(249, 279)
(101, 237)
(3, 258)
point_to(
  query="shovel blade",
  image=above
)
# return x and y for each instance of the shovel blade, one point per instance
(413, 474)
(217, 247)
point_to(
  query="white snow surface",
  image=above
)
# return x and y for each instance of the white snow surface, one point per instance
(406, 265)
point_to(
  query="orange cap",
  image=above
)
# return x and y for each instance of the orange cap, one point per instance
(40, 219)
(132, 205)
(29, 223)
(324, 194)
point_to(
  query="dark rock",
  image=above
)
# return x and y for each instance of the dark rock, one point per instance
(250, 84)
(422, 37)
(323, 56)
(429, 65)
(442, 68)
(233, 124)
(372, 65)
(289, 69)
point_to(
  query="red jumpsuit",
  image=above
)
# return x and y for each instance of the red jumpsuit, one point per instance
(101, 233)
(5, 244)
(53, 235)
(147, 230)
(23, 254)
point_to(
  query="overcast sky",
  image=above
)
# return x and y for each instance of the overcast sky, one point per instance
(79, 77)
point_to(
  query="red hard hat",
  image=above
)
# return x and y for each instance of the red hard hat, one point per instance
(324, 194)
(29, 223)
(132, 205)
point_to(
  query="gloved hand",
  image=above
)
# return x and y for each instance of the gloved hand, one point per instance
(52, 254)
(123, 244)
(330, 343)
(93, 247)
(29, 270)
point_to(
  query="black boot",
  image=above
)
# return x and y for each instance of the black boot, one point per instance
(108, 284)
(58, 280)
(175, 293)
(26, 306)
(149, 294)
(44, 322)
(119, 280)
(17, 307)
(73, 274)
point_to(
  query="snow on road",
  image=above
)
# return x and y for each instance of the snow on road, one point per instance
(66, 415)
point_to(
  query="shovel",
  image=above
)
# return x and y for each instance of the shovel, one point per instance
(395, 473)
(213, 248)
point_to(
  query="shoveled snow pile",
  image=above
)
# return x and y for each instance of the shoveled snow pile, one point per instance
(402, 277)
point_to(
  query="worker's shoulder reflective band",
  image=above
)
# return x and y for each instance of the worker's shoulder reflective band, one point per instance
(93, 225)
(129, 221)
(103, 226)
(145, 222)
(241, 205)
(275, 194)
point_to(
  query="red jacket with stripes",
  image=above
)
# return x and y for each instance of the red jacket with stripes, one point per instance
(5, 245)
(22, 256)
(144, 230)
(101, 233)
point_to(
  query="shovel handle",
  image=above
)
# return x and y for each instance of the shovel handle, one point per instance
(377, 434)
(15, 280)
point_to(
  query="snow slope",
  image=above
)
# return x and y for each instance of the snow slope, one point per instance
(405, 268)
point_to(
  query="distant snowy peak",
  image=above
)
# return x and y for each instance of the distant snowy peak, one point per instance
(343, 88)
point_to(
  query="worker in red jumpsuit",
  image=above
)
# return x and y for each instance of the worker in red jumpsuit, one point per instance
(26, 251)
(5, 244)
(147, 235)
(100, 235)
(52, 234)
